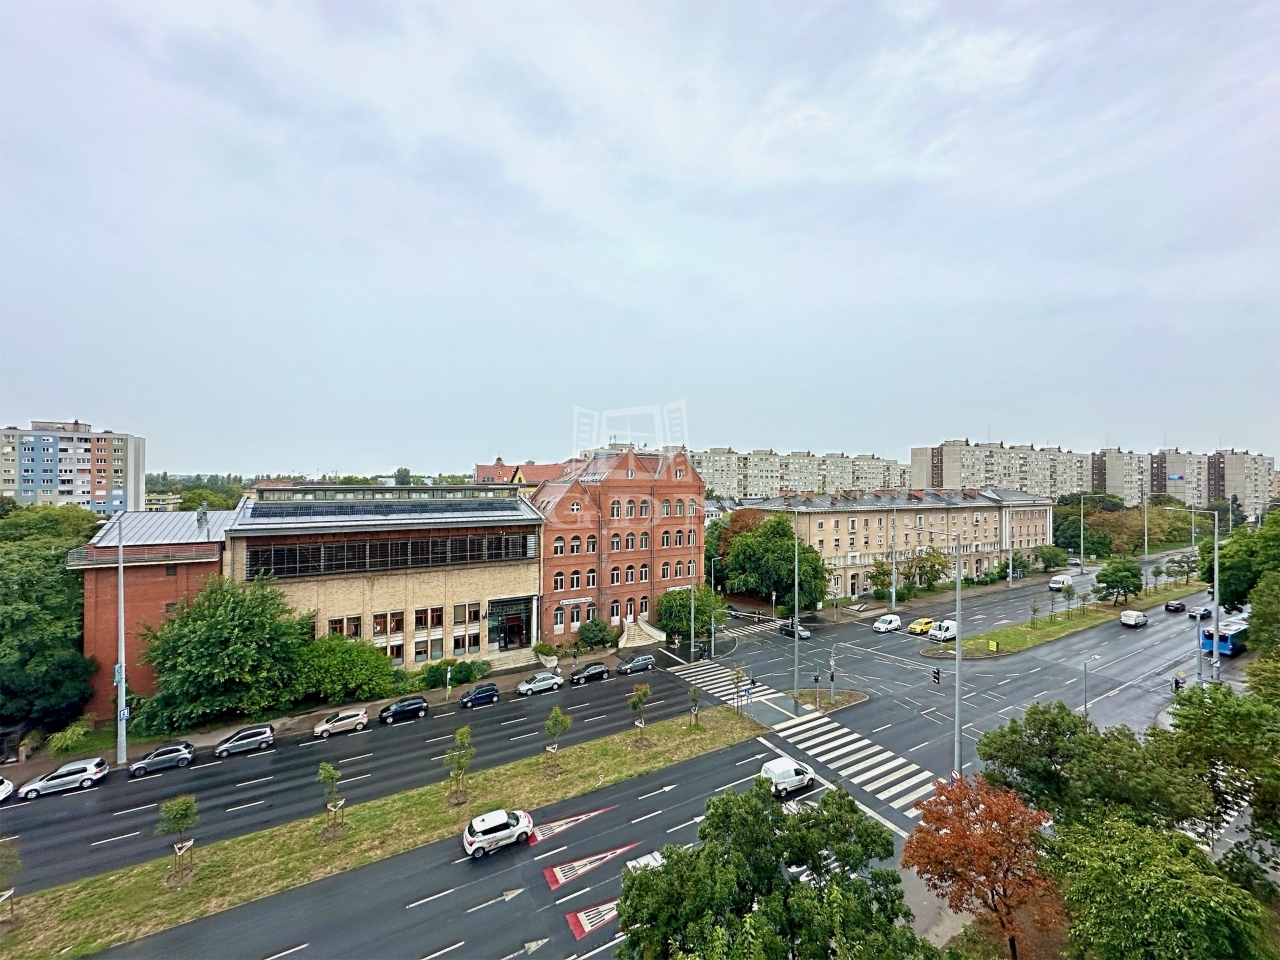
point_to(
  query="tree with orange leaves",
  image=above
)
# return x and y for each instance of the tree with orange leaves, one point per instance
(977, 845)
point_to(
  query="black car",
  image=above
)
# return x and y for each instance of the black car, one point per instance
(637, 663)
(480, 694)
(1175, 606)
(592, 671)
(786, 630)
(177, 754)
(403, 709)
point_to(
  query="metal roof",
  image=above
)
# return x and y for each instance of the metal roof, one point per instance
(256, 518)
(162, 527)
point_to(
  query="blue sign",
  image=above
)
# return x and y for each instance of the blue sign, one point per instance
(1176, 476)
(124, 714)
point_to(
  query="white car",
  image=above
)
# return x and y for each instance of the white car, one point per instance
(887, 624)
(942, 631)
(785, 775)
(77, 773)
(495, 829)
(6, 788)
(340, 721)
(654, 860)
(538, 683)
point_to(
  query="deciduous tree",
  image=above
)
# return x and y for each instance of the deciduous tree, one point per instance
(458, 761)
(1121, 577)
(596, 633)
(979, 846)
(1264, 613)
(340, 669)
(557, 723)
(762, 561)
(1051, 557)
(673, 611)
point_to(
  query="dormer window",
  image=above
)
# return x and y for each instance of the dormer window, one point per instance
(679, 474)
(631, 474)
(575, 507)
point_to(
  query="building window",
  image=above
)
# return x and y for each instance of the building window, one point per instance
(679, 508)
(820, 545)
(836, 544)
(591, 578)
(679, 570)
(575, 617)
(575, 545)
(171, 570)
(666, 508)
(575, 580)
(557, 581)
(631, 574)
(379, 624)
(615, 609)
(335, 625)
(666, 538)
(644, 541)
(644, 606)
(353, 626)
(557, 618)
(615, 575)
(692, 570)
(591, 611)
(644, 573)
(615, 509)
(591, 544)
(631, 474)
(666, 571)
(557, 547)
(819, 524)
(631, 508)
(631, 541)
(644, 508)
(679, 538)
(170, 607)
(420, 619)
(575, 507)
(615, 543)
(693, 506)
(679, 474)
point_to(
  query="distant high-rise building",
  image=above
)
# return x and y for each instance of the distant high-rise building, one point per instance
(1245, 476)
(58, 462)
(959, 464)
(765, 473)
(1187, 476)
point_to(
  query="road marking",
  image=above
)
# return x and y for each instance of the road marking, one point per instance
(211, 763)
(434, 896)
(246, 806)
(523, 735)
(310, 743)
(356, 733)
(123, 836)
(552, 852)
(1029, 672)
(686, 824)
(251, 782)
(351, 779)
(1072, 680)
(572, 895)
(1003, 682)
(120, 813)
(909, 700)
(919, 745)
(1040, 694)
(277, 956)
(735, 783)
(76, 793)
(646, 796)
(447, 736)
(439, 757)
(504, 896)
(360, 757)
(650, 703)
(646, 816)
(579, 706)
(149, 776)
(450, 713)
(12, 836)
(545, 830)
(441, 953)
(262, 753)
(608, 946)
(563, 873)
(885, 727)
(516, 720)
(589, 719)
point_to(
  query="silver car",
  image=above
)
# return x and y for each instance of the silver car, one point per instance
(341, 721)
(6, 788)
(77, 773)
(247, 738)
(538, 683)
(177, 754)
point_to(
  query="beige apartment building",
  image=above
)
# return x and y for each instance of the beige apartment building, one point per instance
(958, 464)
(853, 530)
(765, 473)
(1243, 475)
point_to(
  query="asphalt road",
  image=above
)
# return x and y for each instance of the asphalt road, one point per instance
(83, 833)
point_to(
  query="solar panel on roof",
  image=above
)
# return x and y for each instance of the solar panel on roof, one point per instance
(311, 508)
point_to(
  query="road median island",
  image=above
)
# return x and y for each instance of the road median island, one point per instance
(1023, 636)
(85, 917)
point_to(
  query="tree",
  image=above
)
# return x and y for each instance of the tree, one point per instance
(1050, 557)
(737, 893)
(1242, 559)
(1264, 613)
(329, 775)
(458, 761)
(1069, 595)
(557, 723)
(450, 479)
(1021, 565)
(231, 651)
(1264, 679)
(880, 576)
(195, 499)
(178, 816)
(7, 506)
(673, 611)
(695, 699)
(1035, 610)
(339, 670)
(715, 543)
(933, 566)
(1138, 893)
(67, 740)
(1121, 577)
(762, 561)
(1158, 573)
(596, 633)
(637, 699)
(1183, 565)
(404, 476)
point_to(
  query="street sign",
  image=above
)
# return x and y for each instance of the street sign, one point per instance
(119, 676)
(124, 714)
(955, 775)
(993, 645)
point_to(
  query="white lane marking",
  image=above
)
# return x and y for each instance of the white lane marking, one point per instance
(246, 806)
(359, 757)
(76, 793)
(646, 796)
(447, 736)
(608, 946)
(918, 746)
(550, 852)
(434, 896)
(579, 706)
(310, 743)
(650, 703)
(449, 714)
(277, 956)
(646, 816)
(352, 779)
(523, 735)
(1029, 672)
(885, 727)
(1040, 694)
(119, 813)
(211, 763)
(735, 783)
(12, 836)
(686, 824)
(1072, 680)
(1003, 682)
(572, 895)
(440, 953)
(149, 776)
(356, 733)
(123, 836)
(749, 759)
(248, 783)
(516, 720)
(589, 719)
(262, 753)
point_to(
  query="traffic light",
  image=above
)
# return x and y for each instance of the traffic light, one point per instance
(937, 675)
(833, 676)
(816, 678)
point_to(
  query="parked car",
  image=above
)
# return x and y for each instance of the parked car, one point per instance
(637, 663)
(403, 709)
(920, 627)
(77, 773)
(888, 623)
(538, 683)
(341, 722)
(1200, 613)
(654, 859)
(1057, 583)
(592, 671)
(495, 829)
(786, 631)
(177, 754)
(481, 694)
(246, 738)
(1133, 618)
(1175, 606)
(942, 631)
(1074, 562)
(785, 775)
(6, 788)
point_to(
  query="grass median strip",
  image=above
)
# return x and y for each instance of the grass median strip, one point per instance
(1023, 635)
(90, 915)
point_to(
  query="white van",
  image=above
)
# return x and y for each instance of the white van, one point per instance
(887, 624)
(786, 775)
(1133, 618)
(1060, 581)
(942, 631)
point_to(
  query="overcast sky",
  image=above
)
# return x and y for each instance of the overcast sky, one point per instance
(348, 236)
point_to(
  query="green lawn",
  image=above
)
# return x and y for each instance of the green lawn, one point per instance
(90, 915)
(1024, 635)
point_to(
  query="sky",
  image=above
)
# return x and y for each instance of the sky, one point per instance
(301, 237)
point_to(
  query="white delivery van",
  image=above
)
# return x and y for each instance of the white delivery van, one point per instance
(1133, 618)
(1060, 581)
(787, 775)
(887, 624)
(942, 631)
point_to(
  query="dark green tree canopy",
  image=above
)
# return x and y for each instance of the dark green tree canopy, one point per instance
(762, 561)
(1121, 578)
(673, 611)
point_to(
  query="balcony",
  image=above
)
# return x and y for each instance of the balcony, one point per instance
(83, 557)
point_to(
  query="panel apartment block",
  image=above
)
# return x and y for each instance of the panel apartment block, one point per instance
(56, 462)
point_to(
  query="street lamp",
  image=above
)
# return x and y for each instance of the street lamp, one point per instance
(893, 560)
(1217, 592)
(713, 614)
(122, 703)
(795, 619)
(1096, 656)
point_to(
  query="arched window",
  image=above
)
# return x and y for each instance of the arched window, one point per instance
(644, 573)
(557, 582)
(692, 570)
(666, 508)
(666, 571)
(591, 577)
(631, 608)
(557, 546)
(692, 539)
(644, 606)
(644, 508)
(615, 609)
(615, 509)
(575, 616)
(575, 580)
(615, 575)
(679, 538)
(693, 506)
(631, 541)
(591, 544)
(575, 545)
(679, 570)
(644, 540)
(631, 508)
(666, 538)
(631, 574)
(557, 618)
(591, 611)
(679, 508)
(615, 543)
(631, 474)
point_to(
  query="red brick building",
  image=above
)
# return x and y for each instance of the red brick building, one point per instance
(621, 528)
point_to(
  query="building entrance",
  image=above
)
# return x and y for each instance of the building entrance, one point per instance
(510, 622)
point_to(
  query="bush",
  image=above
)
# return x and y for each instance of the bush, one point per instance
(880, 593)
(480, 669)
(462, 673)
(595, 633)
(432, 677)
(545, 650)
(68, 740)
(340, 670)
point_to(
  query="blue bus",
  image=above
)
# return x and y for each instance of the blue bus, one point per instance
(1232, 635)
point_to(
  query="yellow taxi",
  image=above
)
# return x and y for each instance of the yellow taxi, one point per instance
(921, 627)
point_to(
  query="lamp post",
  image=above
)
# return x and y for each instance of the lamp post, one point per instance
(1217, 592)
(795, 619)
(1086, 684)
(122, 703)
(713, 614)
(959, 658)
(893, 561)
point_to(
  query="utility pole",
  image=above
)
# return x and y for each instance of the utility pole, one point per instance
(893, 561)
(713, 615)
(1216, 663)
(795, 619)
(122, 702)
(1010, 526)
(959, 661)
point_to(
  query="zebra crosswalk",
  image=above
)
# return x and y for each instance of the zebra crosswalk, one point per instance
(718, 681)
(747, 629)
(890, 778)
